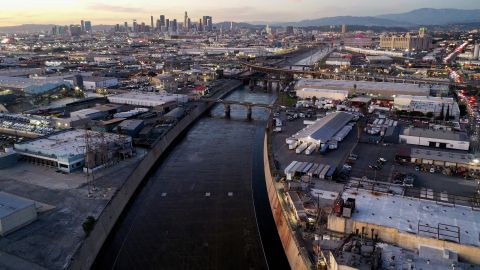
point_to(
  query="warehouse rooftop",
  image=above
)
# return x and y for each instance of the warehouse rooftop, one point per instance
(325, 128)
(447, 156)
(148, 99)
(10, 203)
(394, 88)
(404, 214)
(67, 143)
(436, 134)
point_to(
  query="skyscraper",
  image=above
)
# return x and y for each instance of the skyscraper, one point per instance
(125, 24)
(174, 25)
(167, 25)
(151, 22)
(207, 23)
(344, 28)
(162, 20)
(82, 25)
(135, 26)
(185, 22)
(88, 26)
(75, 30)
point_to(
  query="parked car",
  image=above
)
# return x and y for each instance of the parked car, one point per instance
(409, 180)
(432, 170)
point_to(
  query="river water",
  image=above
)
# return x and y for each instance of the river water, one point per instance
(199, 208)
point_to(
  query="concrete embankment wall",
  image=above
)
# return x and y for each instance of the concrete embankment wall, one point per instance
(295, 255)
(88, 250)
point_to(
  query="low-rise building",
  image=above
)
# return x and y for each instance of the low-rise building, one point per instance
(342, 62)
(379, 60)
(147, 99)
(92, 83)
(437, 222)
(435, 138)
(15, 212)
(66, 150)
(131, 127)
(381, 89)
(427, 104)
(444, 158)
(31, 86)
(324, 129)
(305, 93)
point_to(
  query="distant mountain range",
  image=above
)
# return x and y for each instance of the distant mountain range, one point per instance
(424, 16)
(414, 18)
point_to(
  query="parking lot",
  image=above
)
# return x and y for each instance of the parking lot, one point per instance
(369, 153)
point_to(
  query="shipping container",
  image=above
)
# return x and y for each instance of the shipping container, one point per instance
(324, 172)
(324, 148)
(312, 170)
(331, 171)
(317, 172)
(301, 148)
(310, 149)
(293, 145)
(290, 140)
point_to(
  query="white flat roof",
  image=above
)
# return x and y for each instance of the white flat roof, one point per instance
(151, 98)
(395, 88)
(66, 144)
(9, 204)
(404, 214)
(325, 128)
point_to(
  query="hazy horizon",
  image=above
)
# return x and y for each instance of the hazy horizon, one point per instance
(111, 12)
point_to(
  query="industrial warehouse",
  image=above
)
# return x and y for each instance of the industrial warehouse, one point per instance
(444, 226)
(30, 86)
(147, 99)
(435, 138)
(67, 150)
(381, 89)
(427, 104)
(324, 133)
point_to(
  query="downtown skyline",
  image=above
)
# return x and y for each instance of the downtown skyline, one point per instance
(111, 12)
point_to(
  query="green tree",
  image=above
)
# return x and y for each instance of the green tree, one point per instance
(88, 225)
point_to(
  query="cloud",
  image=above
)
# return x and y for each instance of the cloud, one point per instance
(115, 8)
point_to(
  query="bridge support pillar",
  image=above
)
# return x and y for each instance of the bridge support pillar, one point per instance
(277, 87)
(227, 110)
(265, 85)
(252, 84)
(269, 86)
(249, 112)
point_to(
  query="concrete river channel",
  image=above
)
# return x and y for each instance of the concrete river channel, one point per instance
(205, 204)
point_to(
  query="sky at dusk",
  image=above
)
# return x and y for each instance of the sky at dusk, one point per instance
(117, 11)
